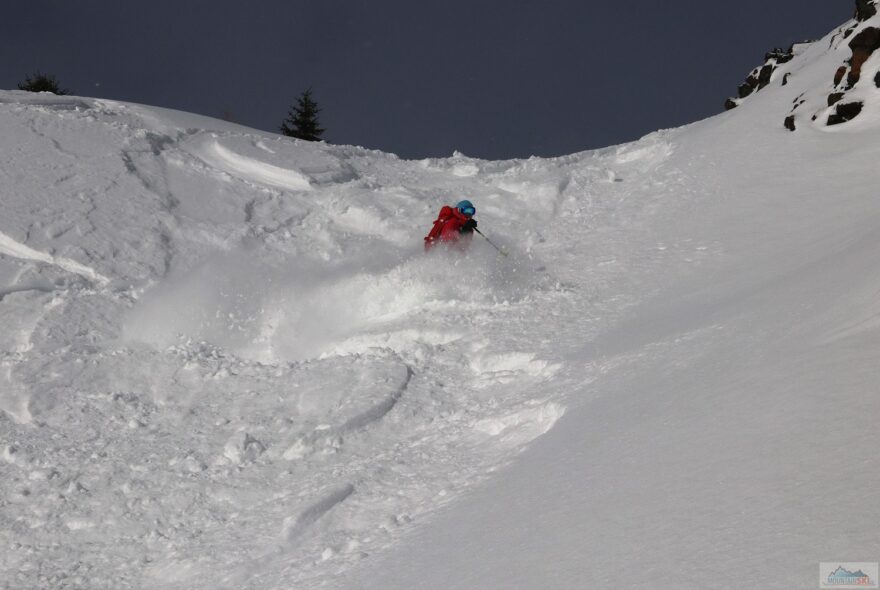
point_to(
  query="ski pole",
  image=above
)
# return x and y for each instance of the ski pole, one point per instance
(491, 243)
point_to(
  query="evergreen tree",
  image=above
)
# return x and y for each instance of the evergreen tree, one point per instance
(302, 119)
(39, 82)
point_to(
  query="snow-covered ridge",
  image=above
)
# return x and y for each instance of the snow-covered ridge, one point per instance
(853, 74)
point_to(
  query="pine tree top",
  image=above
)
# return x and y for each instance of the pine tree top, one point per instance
(302, 119)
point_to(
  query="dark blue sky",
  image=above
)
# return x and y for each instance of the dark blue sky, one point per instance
(493, 79)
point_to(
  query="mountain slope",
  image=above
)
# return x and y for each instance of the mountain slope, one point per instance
(228, 364)
(725, 434)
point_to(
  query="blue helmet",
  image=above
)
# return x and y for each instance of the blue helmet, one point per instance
(466, 208)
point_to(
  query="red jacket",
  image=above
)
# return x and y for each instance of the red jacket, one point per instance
(447, 229)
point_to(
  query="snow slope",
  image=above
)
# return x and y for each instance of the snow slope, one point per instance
(726, 435)
(226, 362)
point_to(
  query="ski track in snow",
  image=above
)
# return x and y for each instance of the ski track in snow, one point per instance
(295, 526)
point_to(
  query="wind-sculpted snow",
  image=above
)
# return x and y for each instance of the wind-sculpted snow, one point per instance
(11, 248)
(255, 170)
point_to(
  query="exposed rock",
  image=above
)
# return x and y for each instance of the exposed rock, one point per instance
(798, 102)
(845, 112)
(785, 78)
(780, 55)
(834, 97)
(865, 9)
(862, 45)
(868, 39)
(789, 123)
(760, 76)
(764, 75)
(850, 110)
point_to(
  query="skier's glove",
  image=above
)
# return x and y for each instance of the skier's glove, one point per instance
(469, 225)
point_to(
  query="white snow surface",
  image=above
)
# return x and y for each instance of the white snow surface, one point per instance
(226, 362)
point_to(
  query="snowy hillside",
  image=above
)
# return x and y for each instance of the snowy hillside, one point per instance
(226, 362)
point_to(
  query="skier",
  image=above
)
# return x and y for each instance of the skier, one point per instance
(454, 226)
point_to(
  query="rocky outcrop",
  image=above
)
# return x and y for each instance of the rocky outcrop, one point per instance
(845, 112)
(789, 122)
(760, 77)
(862, 45)
(865, 9)
(864, 40)
(846, 99)
(835, 97)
